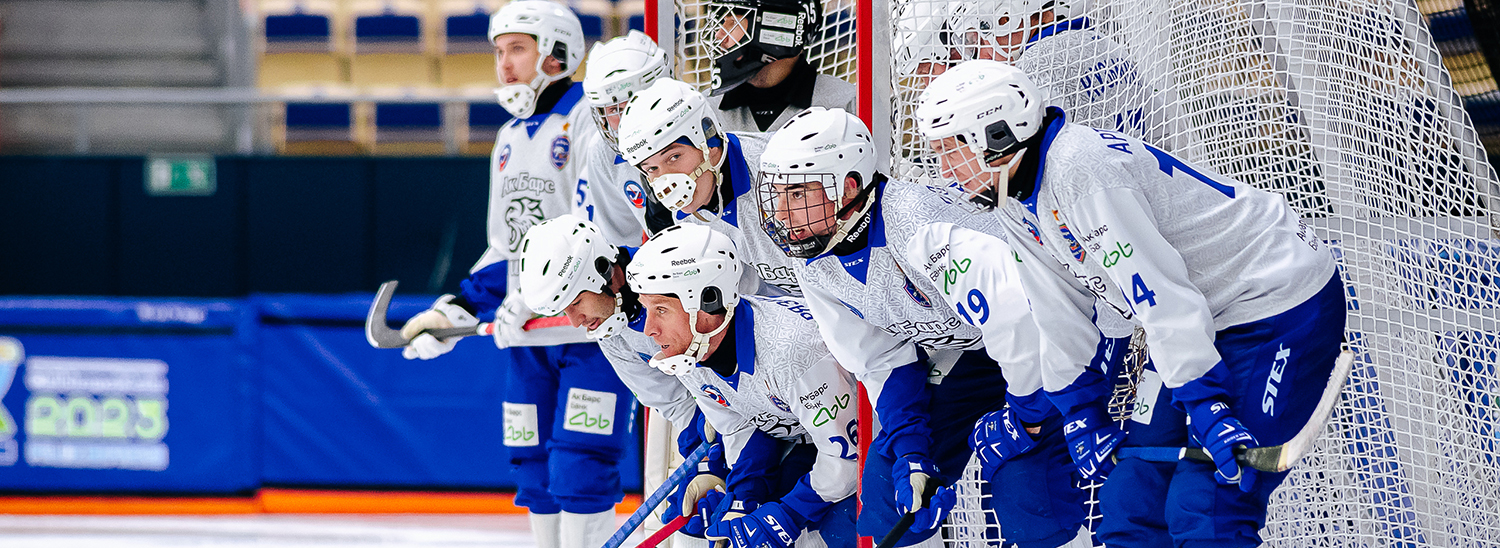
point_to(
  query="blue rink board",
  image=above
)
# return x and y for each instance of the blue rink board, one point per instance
(222, 396)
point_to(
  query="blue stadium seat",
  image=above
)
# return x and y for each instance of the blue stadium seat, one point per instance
(408, 128)
(637, 22)
(320, 128)
(467, 33)
(387, 33)
(485, 120)
(298, 32)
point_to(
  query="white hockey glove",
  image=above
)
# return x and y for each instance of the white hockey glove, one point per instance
(442, 315)
(510, 321)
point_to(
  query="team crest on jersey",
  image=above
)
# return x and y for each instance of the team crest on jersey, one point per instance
(560, 151)
(779, 404)
(1031, 227)
(1073, 244)
(503, 158)
(916, 294)
(635, 194)
(713, 393)
(520, 215)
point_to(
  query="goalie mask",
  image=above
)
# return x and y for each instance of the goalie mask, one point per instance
(744, 35)
(974, 115)
(669, 112)
(1000, 29)
(618, 69)
(700, 267)
(563, 257)
(558, 35)
(806, 206)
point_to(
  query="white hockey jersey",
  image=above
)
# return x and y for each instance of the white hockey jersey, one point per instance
(787, 386)
(1092, 78)
(612, 194)
(740, 217)
(629, 352)
(874, 307)
(1183, 251)
(534, 172)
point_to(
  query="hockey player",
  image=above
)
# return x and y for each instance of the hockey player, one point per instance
(568, 267)
(1088, 75)
(703, 174)
(1240, 302)
(566, 470)
(755, 364)
(823, 200)
(762, 44)
(612, 192)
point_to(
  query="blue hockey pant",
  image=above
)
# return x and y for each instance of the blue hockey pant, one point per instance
(567, 419)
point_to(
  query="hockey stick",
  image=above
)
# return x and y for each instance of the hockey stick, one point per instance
(381, 335)
(664, 532)
(688, 465)
(894, 535)
(1274, 458)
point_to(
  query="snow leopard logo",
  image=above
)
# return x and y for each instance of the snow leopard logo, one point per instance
(520, 216)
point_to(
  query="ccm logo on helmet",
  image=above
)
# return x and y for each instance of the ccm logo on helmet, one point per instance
(986, 113)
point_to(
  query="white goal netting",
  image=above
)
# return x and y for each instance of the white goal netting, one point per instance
(1346, 109)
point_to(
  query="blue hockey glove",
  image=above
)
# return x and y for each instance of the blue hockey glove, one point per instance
(911, 475)
(770, 526)
(998, 437)
(1092, 438)
(1214, 427)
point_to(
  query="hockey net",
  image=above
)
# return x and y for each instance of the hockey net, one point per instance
(1346, 109)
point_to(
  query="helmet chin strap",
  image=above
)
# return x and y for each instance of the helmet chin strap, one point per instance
(993, 191)
(613, 323)
(696, 350)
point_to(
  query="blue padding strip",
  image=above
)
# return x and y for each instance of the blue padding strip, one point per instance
(387, 26)
(296, 26)
(102, 312)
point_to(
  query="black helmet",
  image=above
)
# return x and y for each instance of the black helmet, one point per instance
(744, 35)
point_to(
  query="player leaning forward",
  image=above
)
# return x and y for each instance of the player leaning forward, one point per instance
(754, 364)
(823, 200)
(704, 175)
(1241, 304)
(566, 472)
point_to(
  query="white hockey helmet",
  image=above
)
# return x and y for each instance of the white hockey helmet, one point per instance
(698, 265)
(617, 70)
(565, 256)
(823, 146)
(991, 107)
(980, 24)
(666, 112)
(558, 35)
(921, 36)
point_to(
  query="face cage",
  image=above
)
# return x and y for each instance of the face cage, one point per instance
(611, 135)
(971, 192)
(816, 206)
(973, 39)
(739, 31)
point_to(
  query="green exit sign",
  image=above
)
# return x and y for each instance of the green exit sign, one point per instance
(180, 176)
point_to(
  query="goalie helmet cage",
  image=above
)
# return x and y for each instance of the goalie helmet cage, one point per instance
(1346, 109)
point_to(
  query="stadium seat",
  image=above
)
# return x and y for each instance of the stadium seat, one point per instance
(409, 128)
(468, 58)
(319, 129)
(389, 51)
(484, 121)
(299, 49)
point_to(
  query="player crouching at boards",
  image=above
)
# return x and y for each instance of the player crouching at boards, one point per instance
(755, 364)
(1241, 304)
(931, 382)
(568, 267)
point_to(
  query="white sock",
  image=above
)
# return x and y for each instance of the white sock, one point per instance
(544, 528)
(586, 530)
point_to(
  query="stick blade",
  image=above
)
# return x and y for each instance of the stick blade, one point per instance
(377, 332)
(1293, 450)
